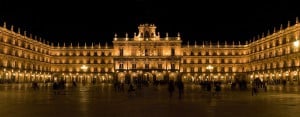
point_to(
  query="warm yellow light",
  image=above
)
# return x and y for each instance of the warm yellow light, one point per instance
(84, 67)
(296, 43)
(209, 67)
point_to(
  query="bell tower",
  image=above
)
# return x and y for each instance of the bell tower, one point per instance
(146, 31)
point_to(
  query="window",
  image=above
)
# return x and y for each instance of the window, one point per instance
(199, 69)
(121, 66)
(172, 66)
(159, 66)
(230, 69)
(133, 66)
(192, 69)
(184, 69)
(192, 61)
(121, 51)
(146, 66)
(172, 52)
(222, 69)
(146, 52)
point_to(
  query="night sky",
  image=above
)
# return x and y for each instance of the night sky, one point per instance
(97, 21)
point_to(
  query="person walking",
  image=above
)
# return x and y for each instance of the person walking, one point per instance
(180, 87)
(171, 88)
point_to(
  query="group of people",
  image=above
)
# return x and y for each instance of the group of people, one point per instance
(171, 88)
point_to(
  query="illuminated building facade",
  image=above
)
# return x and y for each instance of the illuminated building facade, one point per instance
(148, 56)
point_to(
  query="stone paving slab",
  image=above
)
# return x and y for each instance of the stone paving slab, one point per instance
(102, 101)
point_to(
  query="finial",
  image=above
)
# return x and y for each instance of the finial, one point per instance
(84, 44)
(297, 21)
(64, 44)
(52, 44)
(4, 25)
(158, 34)
(25, 33)
(99, 45)
(218, 44)
(178, 36)
(268, 32)
(57, 44)
(239, 42)
(258, 37)
(106, 45)
(71, 45)
(19, 30)
(92, 45)
(263, 35)
(195, 43)
(202, 44)
(12, 27)
(232, 42)
(167, 36)
(78, 45)
(274, 30)
(134, 34)
(126, 35)
(188, 43)
(115, 36)
(281, 26)
(289, 23)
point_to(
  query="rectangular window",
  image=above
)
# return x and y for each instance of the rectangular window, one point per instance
(192, 69)
(173, 66)
(146, 66)
(121, 66)
(159, 66)
(199, 69)
(133, 66)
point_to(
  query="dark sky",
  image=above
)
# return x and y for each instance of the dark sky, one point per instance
(97, 21)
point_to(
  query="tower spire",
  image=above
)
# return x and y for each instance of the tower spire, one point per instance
(297, 20)
(4, 25)
(115, 38)
(178, 36)
(12, 27)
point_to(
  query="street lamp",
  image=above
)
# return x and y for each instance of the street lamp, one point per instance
(209, 67)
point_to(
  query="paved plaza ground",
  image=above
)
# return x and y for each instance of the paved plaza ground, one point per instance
(101, 100)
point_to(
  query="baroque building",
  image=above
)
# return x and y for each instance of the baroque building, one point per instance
(149, 57)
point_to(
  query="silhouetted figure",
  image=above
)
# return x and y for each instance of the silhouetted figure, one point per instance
(180, 86)
(74, 83)
(35, 85)
(131, 89)
(171, 88)
(254, 90)
(217, 87)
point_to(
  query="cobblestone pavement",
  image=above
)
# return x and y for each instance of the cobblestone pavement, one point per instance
(101, 100)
